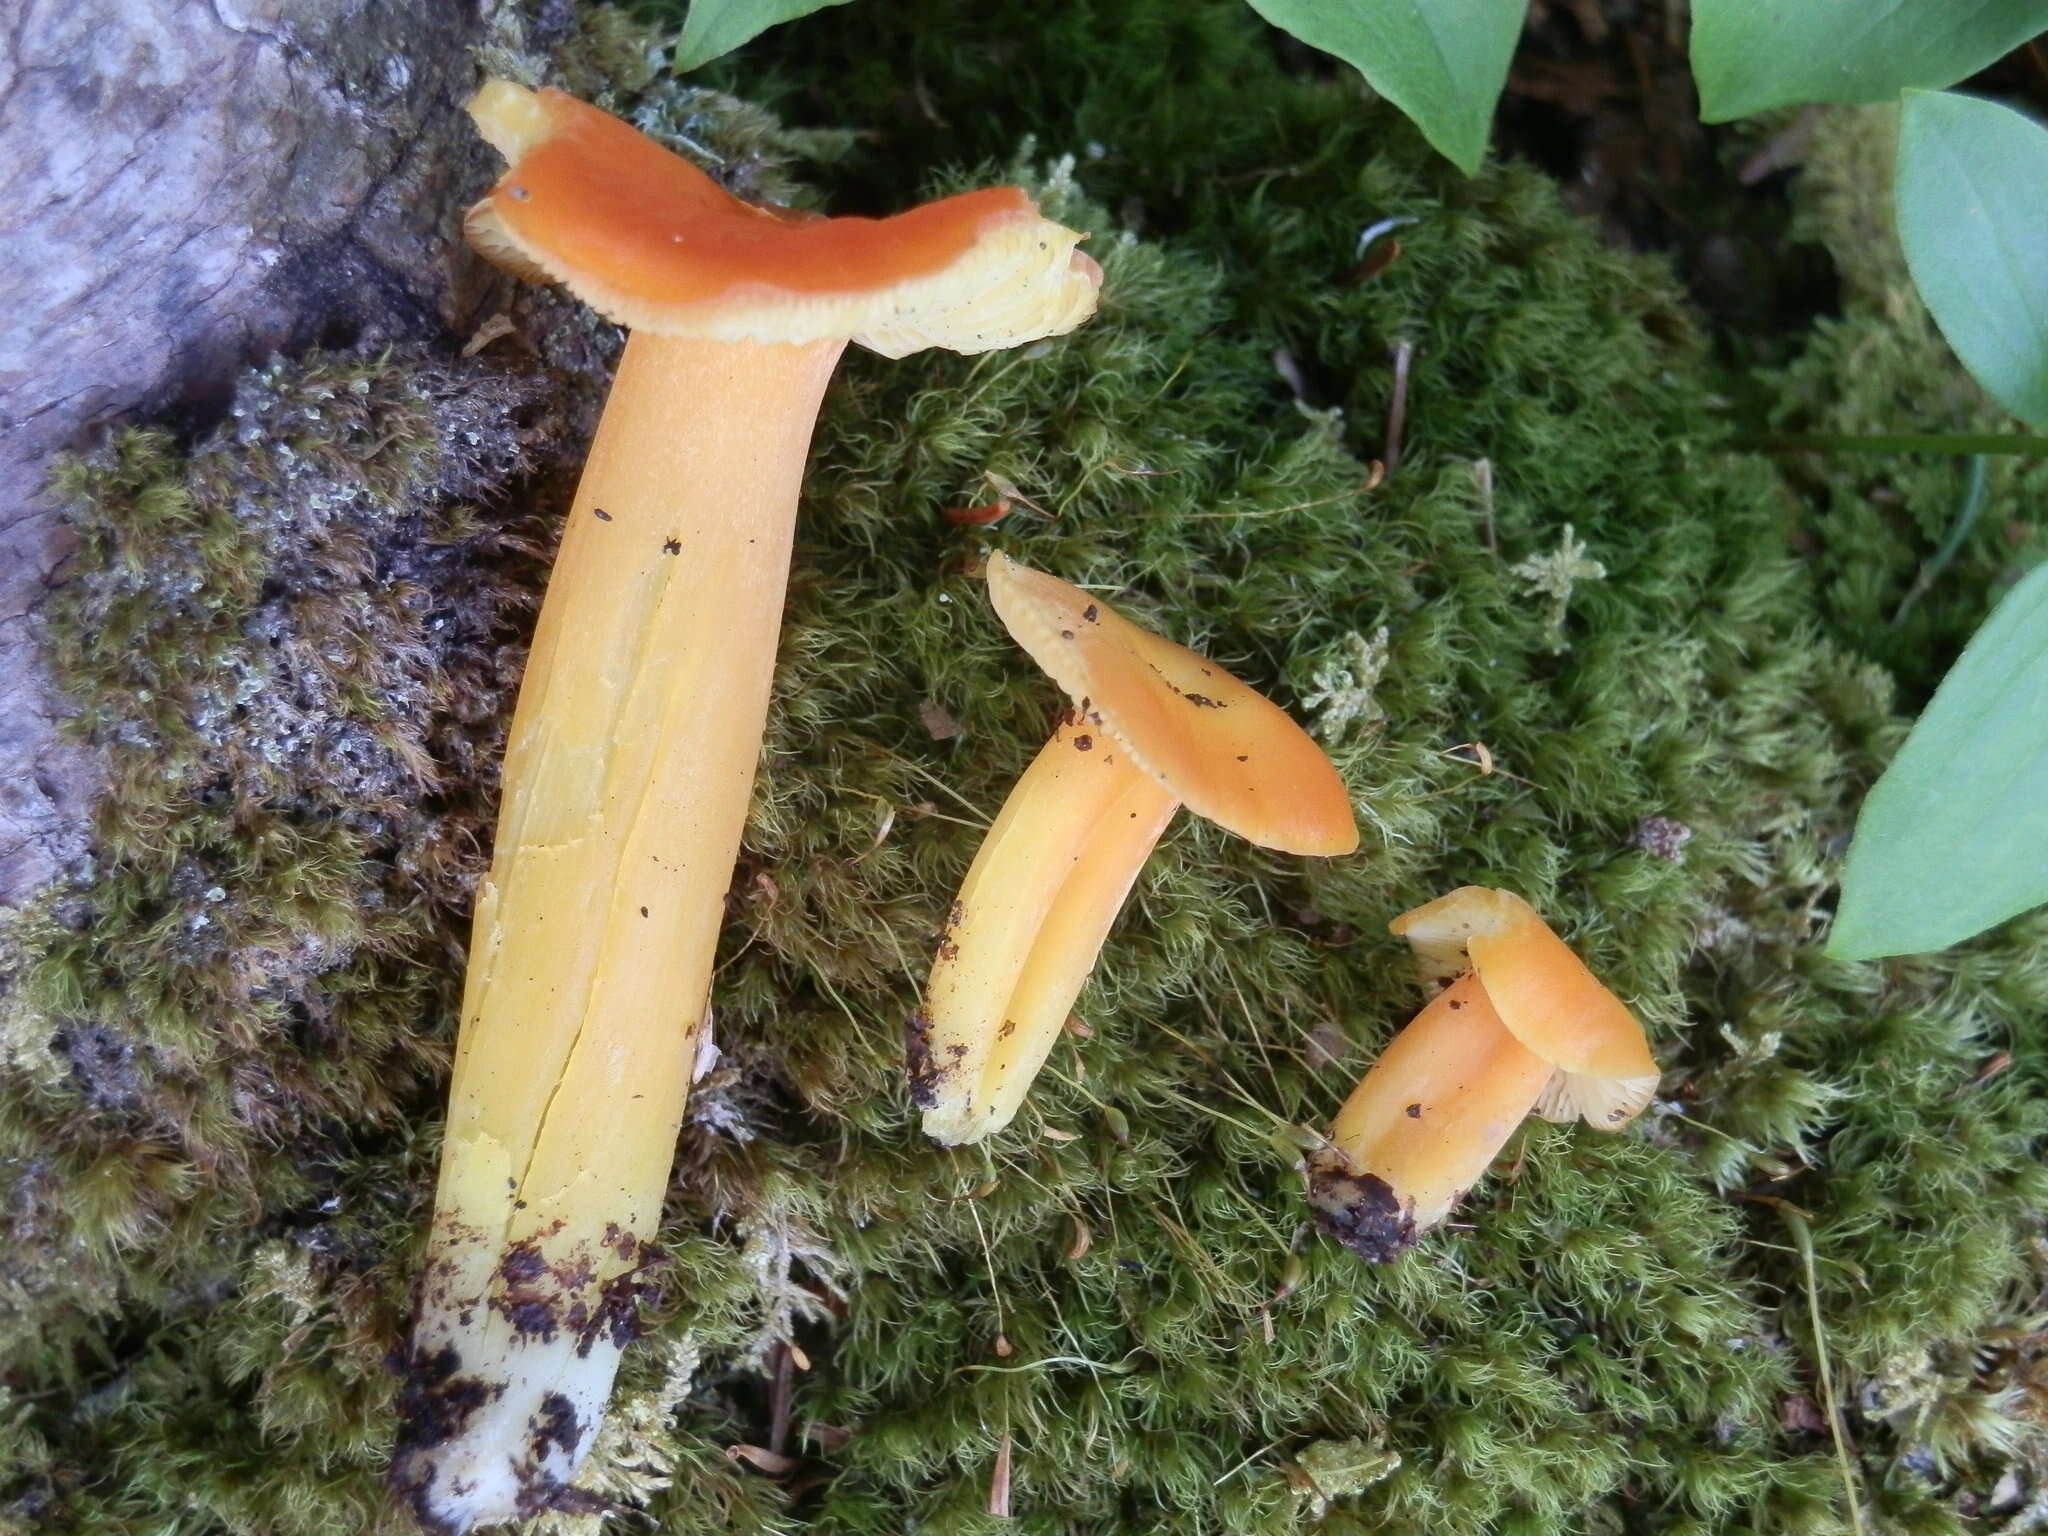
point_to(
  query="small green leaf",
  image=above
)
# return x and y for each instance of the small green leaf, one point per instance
(1443, 62)
(1954, 837)
(1972, 200)
(1752, 55)
(716, 27)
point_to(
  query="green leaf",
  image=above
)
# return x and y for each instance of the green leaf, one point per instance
(716, 27)
(1954, 837)
(1443, 62)
(1752, 55)
(1972, 200)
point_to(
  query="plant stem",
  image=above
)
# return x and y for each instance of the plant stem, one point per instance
(1959, 530)
(1838, 1430)
(626, 783)
(1899, 442)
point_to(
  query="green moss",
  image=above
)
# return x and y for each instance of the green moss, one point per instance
(1615, 1332)
(1874, 523)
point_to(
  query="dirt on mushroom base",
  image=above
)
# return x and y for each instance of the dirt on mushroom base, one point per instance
(1610, 1334)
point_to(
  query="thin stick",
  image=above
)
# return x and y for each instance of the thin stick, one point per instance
(1255, 1455)
(1397, 407)
(779, 1401)
(1482, 481)
(999, 1481)
(988, 1254)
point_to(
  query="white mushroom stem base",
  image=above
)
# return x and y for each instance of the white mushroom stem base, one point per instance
(1427, 1121)
(626, 784)
(1050, 878)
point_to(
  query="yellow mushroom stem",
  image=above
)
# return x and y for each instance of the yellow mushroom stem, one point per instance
(1019, 943)
(625, 791)
(1426, 1122)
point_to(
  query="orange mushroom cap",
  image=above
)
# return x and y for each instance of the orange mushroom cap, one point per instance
(1545, 996)
(650, 241)
(1223, 750)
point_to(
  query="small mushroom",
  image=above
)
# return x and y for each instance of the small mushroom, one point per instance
(1154, 726)
(632, 750)
(1519, 1026)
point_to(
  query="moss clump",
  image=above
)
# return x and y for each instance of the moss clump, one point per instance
(294, 649)
(1122, 1290)
(277, 647)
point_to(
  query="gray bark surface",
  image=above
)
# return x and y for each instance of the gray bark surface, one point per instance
(185, 188)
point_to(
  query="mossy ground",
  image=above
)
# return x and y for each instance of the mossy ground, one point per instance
(296, 644)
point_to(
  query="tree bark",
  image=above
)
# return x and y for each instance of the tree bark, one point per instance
(185, 188)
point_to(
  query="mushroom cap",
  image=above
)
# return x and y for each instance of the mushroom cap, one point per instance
(651, 242)
(1545, 996)
(1223, 750)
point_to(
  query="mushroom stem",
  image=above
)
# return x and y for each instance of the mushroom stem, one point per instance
(1426, 1122)
(1037, 903)
(625, 792)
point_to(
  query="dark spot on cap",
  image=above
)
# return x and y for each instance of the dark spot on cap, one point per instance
(601, 515)
(1202, 701)
(1066, 634)
(1414, 1111)
(1090, 613)
(1009, 1028)
(1359, 1210)
(1084, 743)
(643, 911)
(1245, 758)
(1456, 1005)
(671, 546)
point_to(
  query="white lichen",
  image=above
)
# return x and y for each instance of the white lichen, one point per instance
(637, 1453)
(1346, 689)
(1555, 575)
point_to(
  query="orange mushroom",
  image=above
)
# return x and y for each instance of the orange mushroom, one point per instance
(1519, 1026)
(1154, 727)
(632, 749)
